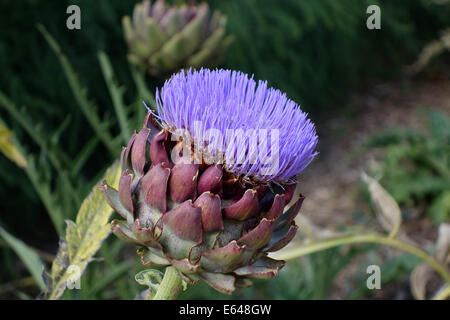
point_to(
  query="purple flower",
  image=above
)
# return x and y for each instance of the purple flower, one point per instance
(256, 131)
(217, 216)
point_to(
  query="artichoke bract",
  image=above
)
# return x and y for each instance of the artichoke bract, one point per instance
(163, 39)
(213, 217)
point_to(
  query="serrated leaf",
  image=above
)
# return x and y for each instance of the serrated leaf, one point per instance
(83, 237)
(8, 148)
(27, 255)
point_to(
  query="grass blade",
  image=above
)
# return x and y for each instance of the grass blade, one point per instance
(80, 94)
(43, 144)
(116, 93)
(27, 255)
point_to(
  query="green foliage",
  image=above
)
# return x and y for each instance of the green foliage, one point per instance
(55, 176)
(439, 209)
(315, 50)
(311, 277)
(8, 148)
(394, 269)
(60, 202)
(150, 278)
(83, 237)
(112, 275)
(319, 51)
(416, 166)
(26, 254)
(48, 122)
(70, 114)
(89, 110)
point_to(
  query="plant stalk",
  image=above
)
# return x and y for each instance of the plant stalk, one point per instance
(170, 286)
(366, 238)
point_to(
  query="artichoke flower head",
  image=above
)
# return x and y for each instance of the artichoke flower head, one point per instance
(162, 38)
(207, 184)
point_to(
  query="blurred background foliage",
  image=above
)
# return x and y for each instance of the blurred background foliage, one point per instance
(416, 166)
(319, 52)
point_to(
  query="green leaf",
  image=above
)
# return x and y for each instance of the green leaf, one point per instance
(151, 278)
(27, 255)
(83, 237)
(8, 148)
(440, 208)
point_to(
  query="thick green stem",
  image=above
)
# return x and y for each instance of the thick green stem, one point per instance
(170, 286)
(366, 238)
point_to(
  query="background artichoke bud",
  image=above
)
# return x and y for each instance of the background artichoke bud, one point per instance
(163, 39)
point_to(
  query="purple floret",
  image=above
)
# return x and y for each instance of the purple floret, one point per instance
(226, 101)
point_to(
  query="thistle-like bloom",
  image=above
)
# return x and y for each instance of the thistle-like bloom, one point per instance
(225, 112)
(208, 183)
(162, 38)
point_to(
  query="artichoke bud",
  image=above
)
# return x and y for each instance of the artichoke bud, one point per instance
(212, 221)
(163, 39)
(180, 215)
